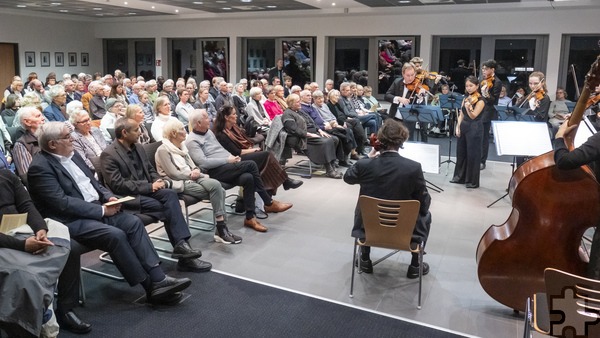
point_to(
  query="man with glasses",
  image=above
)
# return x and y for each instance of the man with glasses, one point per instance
(491, 94)
(64, 189)
(558, 110)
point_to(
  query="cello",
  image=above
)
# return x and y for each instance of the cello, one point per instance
(552, 209)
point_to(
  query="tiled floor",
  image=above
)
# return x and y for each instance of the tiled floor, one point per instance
(309, 249)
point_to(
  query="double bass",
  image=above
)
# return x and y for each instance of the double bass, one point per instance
(552, 209)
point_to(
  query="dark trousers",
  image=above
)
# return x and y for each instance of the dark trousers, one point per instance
(70, 279)
(245, 174)
(468, 152)
(593, 270)
(167, 202)
(359, 134)
(485, 142)
(124, 237)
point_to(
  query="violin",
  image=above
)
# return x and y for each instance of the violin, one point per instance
(593, 100)
(375, 142)
(417, 84)
(487, 84)
(538, 93)
(473, 98)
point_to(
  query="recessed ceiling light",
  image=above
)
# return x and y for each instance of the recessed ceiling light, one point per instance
(404, 1)
(271, 6)
(333, 4)
(125, 3)
(21, 6)
(97, 8)
(176, 11)
(246, 0)
(153, 7)
(132, 13)
(226, 8)
(221, 1)
(55, 3)
(64, 11)
(99, 14)
(198, 3)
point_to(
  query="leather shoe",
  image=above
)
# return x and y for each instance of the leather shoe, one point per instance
(413, 271)
(291, 184)
(457, 180)
(482, 166)
(333, 174)
(472, 186)
(167, 300)
(277, 206)
(254, 224)
(344, 164)
(354, 157)
(365, 266)
(163, 290)
(193, 265)
(184, 250)
(70, 322)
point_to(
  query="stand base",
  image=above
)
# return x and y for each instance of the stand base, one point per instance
(498, 200)
(434, 187)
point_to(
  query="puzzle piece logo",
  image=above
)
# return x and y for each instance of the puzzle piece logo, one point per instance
(570, 319)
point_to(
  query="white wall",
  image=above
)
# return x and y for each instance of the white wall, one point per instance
(78, 36)
(546, 21)
(40, 34)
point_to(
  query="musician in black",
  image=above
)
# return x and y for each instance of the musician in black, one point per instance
(490, 88)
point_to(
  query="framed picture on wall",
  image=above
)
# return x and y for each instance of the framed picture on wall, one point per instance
(45, 59)
(59, 59)
(29, 59)
(72, 59)
(85, 59)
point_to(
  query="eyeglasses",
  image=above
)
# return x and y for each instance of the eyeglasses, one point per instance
(68, 138)
(84, 121)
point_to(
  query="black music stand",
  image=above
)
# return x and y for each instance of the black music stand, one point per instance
(506, 113)
(521, 114)
(416, 114)
(451, 102)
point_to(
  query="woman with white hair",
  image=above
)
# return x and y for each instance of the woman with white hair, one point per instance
(256, 110)
(55, 111)
(162, 107)
(173, 161)
(88, 141)
(114, 110)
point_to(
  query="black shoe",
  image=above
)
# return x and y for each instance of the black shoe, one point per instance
(227, 238)
(333, 174)
(193, 265)
(365, 266)
(184, 250)
(164, 290)
(482, 166)
(413, 271)
(167, 300)
(457, 180)
(70, 322)
(354, 157)
(472, 186)
(290, 183)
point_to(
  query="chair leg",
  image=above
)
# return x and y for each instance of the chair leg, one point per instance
(353, 268)
(420, 274)
(81, 289)
(528, 315)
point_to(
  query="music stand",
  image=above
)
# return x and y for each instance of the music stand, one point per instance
(417, 113)
(428, 155)
(519, 138)
(452, 102)
(506, 113)
(521, 114)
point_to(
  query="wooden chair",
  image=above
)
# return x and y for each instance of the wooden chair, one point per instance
(570, 307)
(388, 224)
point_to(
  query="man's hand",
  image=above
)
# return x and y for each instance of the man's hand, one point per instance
(110, 210)
(233, 159)
(311, 135)
(157, 185)
(324, 134)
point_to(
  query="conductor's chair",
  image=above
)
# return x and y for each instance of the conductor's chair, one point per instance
(570, 307)
(388, 224)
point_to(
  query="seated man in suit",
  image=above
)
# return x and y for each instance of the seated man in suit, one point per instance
(127, 171)
(210, 156)
(32, 257)
(64, 189)
(392, 177)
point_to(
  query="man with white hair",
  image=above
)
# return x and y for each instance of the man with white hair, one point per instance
(69, 87)
(128, 86)
(214, 90)
(87, 97)
(151, 88)
(224, 97)
(135, 90)
(98, 102)
(38, 89)
(55, 111)
(171, 94)
(108, 79)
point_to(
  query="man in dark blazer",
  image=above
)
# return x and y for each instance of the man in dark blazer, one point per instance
(490, 97)
(64, 189)
(399, 96)
(393, 177)
(127, 171)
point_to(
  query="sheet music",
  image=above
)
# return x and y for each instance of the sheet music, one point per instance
(426, 154)
(518, 138)
(584, 131)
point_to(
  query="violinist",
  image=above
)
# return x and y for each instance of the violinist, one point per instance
(490, 88)
(403, 92)
(431, 80)
(538, 101)
(588, 153)
(469, 134)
